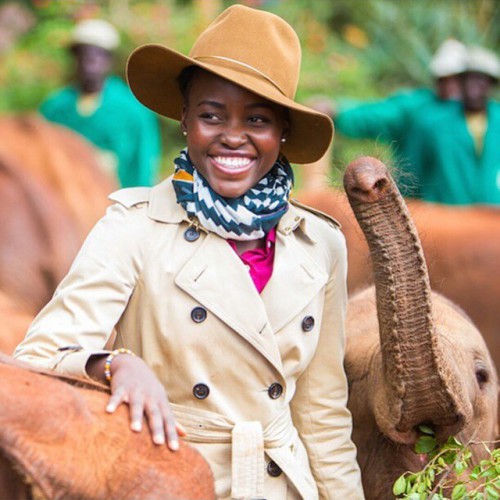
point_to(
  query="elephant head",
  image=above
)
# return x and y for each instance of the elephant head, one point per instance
(412, 356)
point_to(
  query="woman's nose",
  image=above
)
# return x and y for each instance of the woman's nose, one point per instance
(234, 136)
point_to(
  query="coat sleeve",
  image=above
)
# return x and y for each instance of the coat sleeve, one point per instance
(319, 405)
(86, 306)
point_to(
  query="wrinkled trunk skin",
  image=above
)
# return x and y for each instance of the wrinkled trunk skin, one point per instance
(413, 363)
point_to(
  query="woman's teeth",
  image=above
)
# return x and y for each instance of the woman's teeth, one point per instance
(232, 162)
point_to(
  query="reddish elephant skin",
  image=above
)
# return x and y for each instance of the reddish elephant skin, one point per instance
(38, 238)
(62, 161)
(52, 191)
(461, 247)
(56, 441)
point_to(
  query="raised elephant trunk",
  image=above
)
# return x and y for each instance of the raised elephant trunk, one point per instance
(419, 385)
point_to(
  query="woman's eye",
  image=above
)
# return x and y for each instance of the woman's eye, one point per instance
(258, 119)
(209, 116)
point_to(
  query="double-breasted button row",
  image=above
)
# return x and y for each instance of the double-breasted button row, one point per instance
(273, 469)
(308, 323)
(199, 314)
(201, 391)
(275, 390)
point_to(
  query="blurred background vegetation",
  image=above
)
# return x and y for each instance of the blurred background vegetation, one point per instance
(360, 49)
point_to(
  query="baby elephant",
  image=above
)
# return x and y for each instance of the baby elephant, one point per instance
(412, 356)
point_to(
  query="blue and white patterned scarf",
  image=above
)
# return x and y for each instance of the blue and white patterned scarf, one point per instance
(248, 217)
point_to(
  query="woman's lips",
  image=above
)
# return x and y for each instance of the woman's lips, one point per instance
(232, 164)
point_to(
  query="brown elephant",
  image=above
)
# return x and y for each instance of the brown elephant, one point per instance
(56, 441)
(412, 356)
(38, 238)
(461, 246)
(52, 192)
(62, 161)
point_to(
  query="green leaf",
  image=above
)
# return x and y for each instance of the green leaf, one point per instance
(426, 430)
(399, 486)
(492, 492)
(425, 444)
(459, 491)
(460, 467)
(455, 441)
(421, 488)
(431, 474)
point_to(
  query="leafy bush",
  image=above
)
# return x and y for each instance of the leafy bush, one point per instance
(450, 469)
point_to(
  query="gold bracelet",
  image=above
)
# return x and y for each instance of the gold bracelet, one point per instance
(109, 358)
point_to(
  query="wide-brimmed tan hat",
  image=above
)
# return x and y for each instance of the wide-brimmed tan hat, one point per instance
(252, 48)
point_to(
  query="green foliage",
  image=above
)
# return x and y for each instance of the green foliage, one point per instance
(450, 471)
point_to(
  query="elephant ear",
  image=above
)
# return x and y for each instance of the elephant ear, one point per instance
(59, 439)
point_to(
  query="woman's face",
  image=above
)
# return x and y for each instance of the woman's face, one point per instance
(233, 135)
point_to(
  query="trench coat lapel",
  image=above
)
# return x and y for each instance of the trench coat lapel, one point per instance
(296, 278)
(218, 280)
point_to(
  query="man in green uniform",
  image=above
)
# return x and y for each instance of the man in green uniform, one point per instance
(454, 149)
(102, 108)
(388, 120)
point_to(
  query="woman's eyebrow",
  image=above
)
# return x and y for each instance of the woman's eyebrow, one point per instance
(216, 104)
(221, 105)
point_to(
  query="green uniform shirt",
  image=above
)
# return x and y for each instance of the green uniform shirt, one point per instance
(120, 125)
(449, 169)
(387, 121)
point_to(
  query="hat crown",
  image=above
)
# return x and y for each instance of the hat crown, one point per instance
(484, 61)
(95, 32)
(258, 42)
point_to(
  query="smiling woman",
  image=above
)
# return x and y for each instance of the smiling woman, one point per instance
(228, 298)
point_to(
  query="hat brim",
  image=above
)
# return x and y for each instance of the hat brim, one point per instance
(152, 72)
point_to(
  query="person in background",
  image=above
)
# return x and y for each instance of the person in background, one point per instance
(455, 148)
(102, 109)
(228, 298)
(388, 120)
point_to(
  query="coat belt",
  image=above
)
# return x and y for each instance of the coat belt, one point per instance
(249, 443)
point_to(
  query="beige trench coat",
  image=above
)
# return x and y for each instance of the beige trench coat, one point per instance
(257, 380)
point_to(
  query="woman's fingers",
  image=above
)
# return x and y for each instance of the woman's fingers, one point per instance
(155, 421)
(118, 397)
(136, 411)
(171, 428)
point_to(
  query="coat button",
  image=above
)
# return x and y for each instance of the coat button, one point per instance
(308, 323)
(191, 234)
(273, 469)
(198, 314)
(201, 391)
(275, 390)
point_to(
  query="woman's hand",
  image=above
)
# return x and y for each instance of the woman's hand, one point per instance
(134, 383)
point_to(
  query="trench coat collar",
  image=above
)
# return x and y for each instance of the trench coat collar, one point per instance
(163, 207)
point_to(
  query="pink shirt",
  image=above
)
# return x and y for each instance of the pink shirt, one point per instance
(260, 261)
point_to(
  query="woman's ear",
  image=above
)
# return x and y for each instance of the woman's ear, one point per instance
(184, 118)
(286, 130)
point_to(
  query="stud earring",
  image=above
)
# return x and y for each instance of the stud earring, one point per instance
(184, 133)
(283, 139)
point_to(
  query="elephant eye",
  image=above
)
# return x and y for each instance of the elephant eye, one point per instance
(482, 375)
